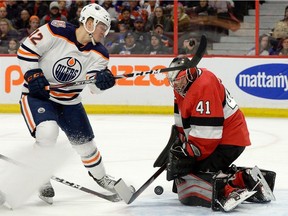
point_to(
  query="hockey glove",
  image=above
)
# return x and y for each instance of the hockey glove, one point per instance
(37, 84)
(104, 79)
(180, 163)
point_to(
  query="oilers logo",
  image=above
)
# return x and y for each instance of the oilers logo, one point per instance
(67, 69)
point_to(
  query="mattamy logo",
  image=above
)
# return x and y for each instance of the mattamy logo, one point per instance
(266, 81)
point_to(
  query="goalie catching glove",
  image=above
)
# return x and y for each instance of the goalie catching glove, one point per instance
(180, 161)
(37, 84)
(104, 79)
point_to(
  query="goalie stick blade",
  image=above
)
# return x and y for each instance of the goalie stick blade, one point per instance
(256, 173)
(124, 191)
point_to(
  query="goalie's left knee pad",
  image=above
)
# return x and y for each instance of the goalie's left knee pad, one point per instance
(195, 189)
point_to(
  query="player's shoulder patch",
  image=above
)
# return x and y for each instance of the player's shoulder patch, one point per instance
(58, 24)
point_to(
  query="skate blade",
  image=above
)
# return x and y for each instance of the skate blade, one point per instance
(230, 205)
(48, 200)
(268, 194)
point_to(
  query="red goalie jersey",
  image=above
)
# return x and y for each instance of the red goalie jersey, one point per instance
(209, 116)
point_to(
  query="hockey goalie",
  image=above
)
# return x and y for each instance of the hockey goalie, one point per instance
(209, 134)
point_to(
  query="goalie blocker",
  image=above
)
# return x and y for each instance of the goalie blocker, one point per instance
(207, 189)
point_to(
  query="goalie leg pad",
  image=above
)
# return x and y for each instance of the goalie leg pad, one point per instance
(195, 189)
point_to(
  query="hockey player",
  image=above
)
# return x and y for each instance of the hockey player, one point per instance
(56, 53)
(210, 132)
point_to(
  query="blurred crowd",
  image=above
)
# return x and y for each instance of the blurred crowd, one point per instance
(137, 26)
(274, 42)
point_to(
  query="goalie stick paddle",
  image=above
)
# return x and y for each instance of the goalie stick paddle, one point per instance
(125, 193)
(111, 198)
(192, 63)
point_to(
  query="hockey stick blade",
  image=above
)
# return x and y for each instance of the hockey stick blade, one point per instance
(111, 198)
(125, 193)
(192, 63)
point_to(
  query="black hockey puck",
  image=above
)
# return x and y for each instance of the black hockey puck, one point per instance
(158, 190)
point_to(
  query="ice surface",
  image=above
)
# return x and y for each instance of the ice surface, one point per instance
(129, 145)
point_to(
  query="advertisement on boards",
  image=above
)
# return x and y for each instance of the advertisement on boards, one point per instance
(253, 82)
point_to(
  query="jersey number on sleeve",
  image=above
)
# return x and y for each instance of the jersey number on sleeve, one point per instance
(36, 36)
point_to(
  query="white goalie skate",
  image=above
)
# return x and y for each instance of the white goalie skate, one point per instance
(261, 187)
(235, 198)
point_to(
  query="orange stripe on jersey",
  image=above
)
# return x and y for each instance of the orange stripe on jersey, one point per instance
(22, 52)
(27, 113)
(97, 156)
(67, 95)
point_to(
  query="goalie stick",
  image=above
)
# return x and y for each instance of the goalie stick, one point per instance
(192, 63)
(111, 198)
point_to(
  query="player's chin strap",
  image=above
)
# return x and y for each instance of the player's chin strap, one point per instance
(91, 33)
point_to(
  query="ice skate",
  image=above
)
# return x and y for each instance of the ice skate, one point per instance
(105, 182)
(256, 182)
(46, 193)
(235, 198)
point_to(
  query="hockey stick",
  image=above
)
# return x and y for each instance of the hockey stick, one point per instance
(192, 63)
(126, 194)
(111, 198)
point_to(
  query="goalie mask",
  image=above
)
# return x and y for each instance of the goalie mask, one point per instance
(181, 80)
(99, 14)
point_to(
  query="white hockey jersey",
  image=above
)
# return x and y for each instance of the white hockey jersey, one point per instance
(54, 48)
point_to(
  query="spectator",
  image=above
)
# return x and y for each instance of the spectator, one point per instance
(284, 45)
(156, 46)
(54, 14)
(119, 38)
(150, 5)
(7, 32)
(264, 46)
(183, 19)
(223, 10)
(280, 30)
(139, 31)
(189, 46)
(125, 18)
(34, 23)
(38, 8)
(3, 12)
(137, 10)
(129, 47)
(110, 8)
(159, 29)
(13, 10)
(72, 11)
(158, 17)
(13, 46)
(203, 8)
(75, 20)
(23, 20)
(62, 8)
